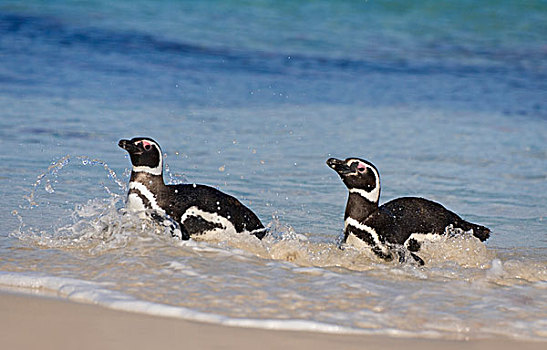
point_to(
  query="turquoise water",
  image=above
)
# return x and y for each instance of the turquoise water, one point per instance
(447, 99)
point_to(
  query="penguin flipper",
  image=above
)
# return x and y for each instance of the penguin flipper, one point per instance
(379, 253)
(402, 257)
(419, 260)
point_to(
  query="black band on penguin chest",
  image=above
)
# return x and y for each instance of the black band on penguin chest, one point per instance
(145, 202)
(361, 234)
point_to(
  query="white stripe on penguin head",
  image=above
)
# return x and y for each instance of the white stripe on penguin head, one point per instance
(372, 196)
(146, 169)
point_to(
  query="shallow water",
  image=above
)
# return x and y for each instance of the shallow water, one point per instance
(448, 106)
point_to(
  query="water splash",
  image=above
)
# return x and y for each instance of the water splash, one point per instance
(51, 175)
(173, 177)
(52, 171)
(111, 173)
(101, 224)
(79, 227)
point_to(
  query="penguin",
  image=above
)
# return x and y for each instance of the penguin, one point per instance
(401, 222)
(189, 210)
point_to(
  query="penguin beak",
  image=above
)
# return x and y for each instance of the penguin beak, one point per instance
(129, 146)
(339, 166)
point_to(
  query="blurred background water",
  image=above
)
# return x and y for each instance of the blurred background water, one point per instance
(448, 99)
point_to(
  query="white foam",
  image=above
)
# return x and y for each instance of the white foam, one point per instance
(496, 270)
(181, 268)
(97, 293)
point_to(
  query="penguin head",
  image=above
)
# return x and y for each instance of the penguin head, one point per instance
(145, 154)
(359, 176)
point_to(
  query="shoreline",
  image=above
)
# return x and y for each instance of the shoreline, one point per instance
(41, 322)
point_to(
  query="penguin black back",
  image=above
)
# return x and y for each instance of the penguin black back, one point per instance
(396, 223)
(197, 209)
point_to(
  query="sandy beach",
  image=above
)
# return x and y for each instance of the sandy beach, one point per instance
(29, 322)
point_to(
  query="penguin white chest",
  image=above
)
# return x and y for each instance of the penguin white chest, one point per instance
(134, 203)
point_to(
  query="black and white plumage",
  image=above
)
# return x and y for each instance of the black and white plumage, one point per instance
(194, 209)
(400, 222)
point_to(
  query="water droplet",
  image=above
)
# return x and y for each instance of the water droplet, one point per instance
(48, 188)
(194, 185)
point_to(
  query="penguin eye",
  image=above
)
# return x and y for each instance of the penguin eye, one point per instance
(361, 168)
(147, 146)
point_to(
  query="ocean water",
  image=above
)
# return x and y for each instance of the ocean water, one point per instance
(447, 99)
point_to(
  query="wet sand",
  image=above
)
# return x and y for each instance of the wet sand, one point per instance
(29, 322)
